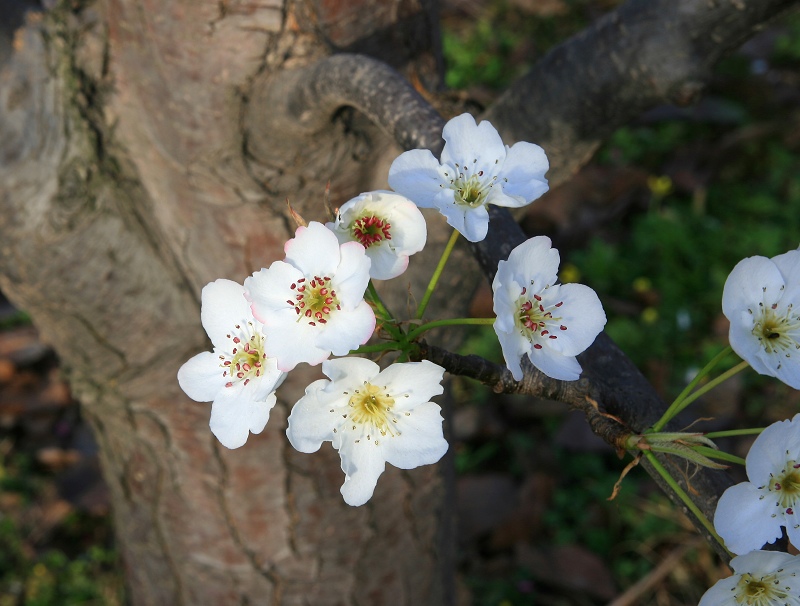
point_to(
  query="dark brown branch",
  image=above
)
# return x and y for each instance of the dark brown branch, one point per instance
(644, 53)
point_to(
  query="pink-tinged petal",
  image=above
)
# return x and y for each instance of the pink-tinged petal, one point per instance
(259, 413)
(470, 144)
(789, 265)
(311, 422)
(753, 282)
(230, 416)
(386, 263)
(414, 233)
(417, 175)
(269, 290)
(524, 169)
(201, 377)
(362, 462)
(554, 364)
(314, 250)
(223, 306)
(582, 317)
(352, 275)
(536, 261)
(744, 519)
(292, 342)
(412, 383)
(420, 441)
(347, 329)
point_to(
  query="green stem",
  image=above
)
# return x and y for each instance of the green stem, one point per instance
(676, 407)
(711, 453)
(437, 274)
(711, 385)
(388, 323)
(684, 497)
(449, 322)
(734, 432)
(387, 346)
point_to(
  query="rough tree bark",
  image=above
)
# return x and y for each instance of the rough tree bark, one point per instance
(138, 162)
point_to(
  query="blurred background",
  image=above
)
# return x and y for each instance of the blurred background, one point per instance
(654, 224)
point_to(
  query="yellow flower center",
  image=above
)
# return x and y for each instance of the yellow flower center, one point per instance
(244, 360)
(763, 591)
(372, 407)
(315, 300)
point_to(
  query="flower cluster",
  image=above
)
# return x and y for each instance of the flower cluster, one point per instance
(316, 303)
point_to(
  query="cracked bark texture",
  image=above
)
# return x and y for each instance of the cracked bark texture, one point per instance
(133, 170)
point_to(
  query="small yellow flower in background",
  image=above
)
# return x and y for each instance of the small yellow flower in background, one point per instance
(650, 315)
(659, 186)
(642, 284)
(569, 273)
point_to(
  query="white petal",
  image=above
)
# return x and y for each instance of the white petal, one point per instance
(269, 289)
(506, 293)
(223, 306)
(347, 372)
(386, 263)
(291, 342)
(789, 266)
(778, 443)
(347, 329)
(259, 413)
(745, 344)
(362, 463)
(554, 364)
(754, 281)
(269, 380)
(352, 274)
(230, 416)
(534, 260)
(314, 250)
(524, 167)
(420, 381)
(582, 314)
(310, 422)
(405, 214)
(476, 224)
(417, 175)
(514, 346)
(499, 197)
(743, 519)
(201, 377)
(722, 593)
(468, 144)
(420, 442)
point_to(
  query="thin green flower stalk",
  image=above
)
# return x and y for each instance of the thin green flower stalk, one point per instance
(711, 385)
(678, 405)
(729, 433)
(718, 454)
(436, 275)
(388, 322)
(651, 458)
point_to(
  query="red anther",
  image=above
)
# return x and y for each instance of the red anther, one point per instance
(257, 364)
(258, 372)
(311, 324)
(299, 297)
(480, 173)
(552, 337)
(308, 313)
(238, 367)
(246, 381)
(290, 302)
(247, 347)
(228, 384)
(524, 290)
(338, 307)
(326, 310)
(774, 306)
(301, 280)
(541, 308)
(228, 363)
(302, 304)
(323, 291)
(328, 301)
(234, 350)
(301, 289)
(240, 375)
(237, 339)
(297, 309)
(237, 326)
(544, 332)
(562, 327)
(559, 304)
(293, 286)
(318, 315)
(246, 367)
(777, 486)
(537, 297)
(790, 511)
(313, 284)
(537, 346)
(796, 465)
(228, 336)
(323, 321)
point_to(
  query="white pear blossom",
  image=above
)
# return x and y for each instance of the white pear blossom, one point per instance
(551, 323)
(372, 417)
(238, 376)
(761, 578)
(312, 303)
(476, 169)
(752, 513)
(758, 299)
(388, 225)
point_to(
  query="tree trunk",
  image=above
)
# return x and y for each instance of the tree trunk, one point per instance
(125, 188)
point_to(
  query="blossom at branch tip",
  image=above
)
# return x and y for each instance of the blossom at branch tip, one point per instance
(238, 376)
(312, 303)
(753, 513)
(761, 578)
(758, 299)
(388, 225)
(475, 169)
(551, 323)
(371, 417)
